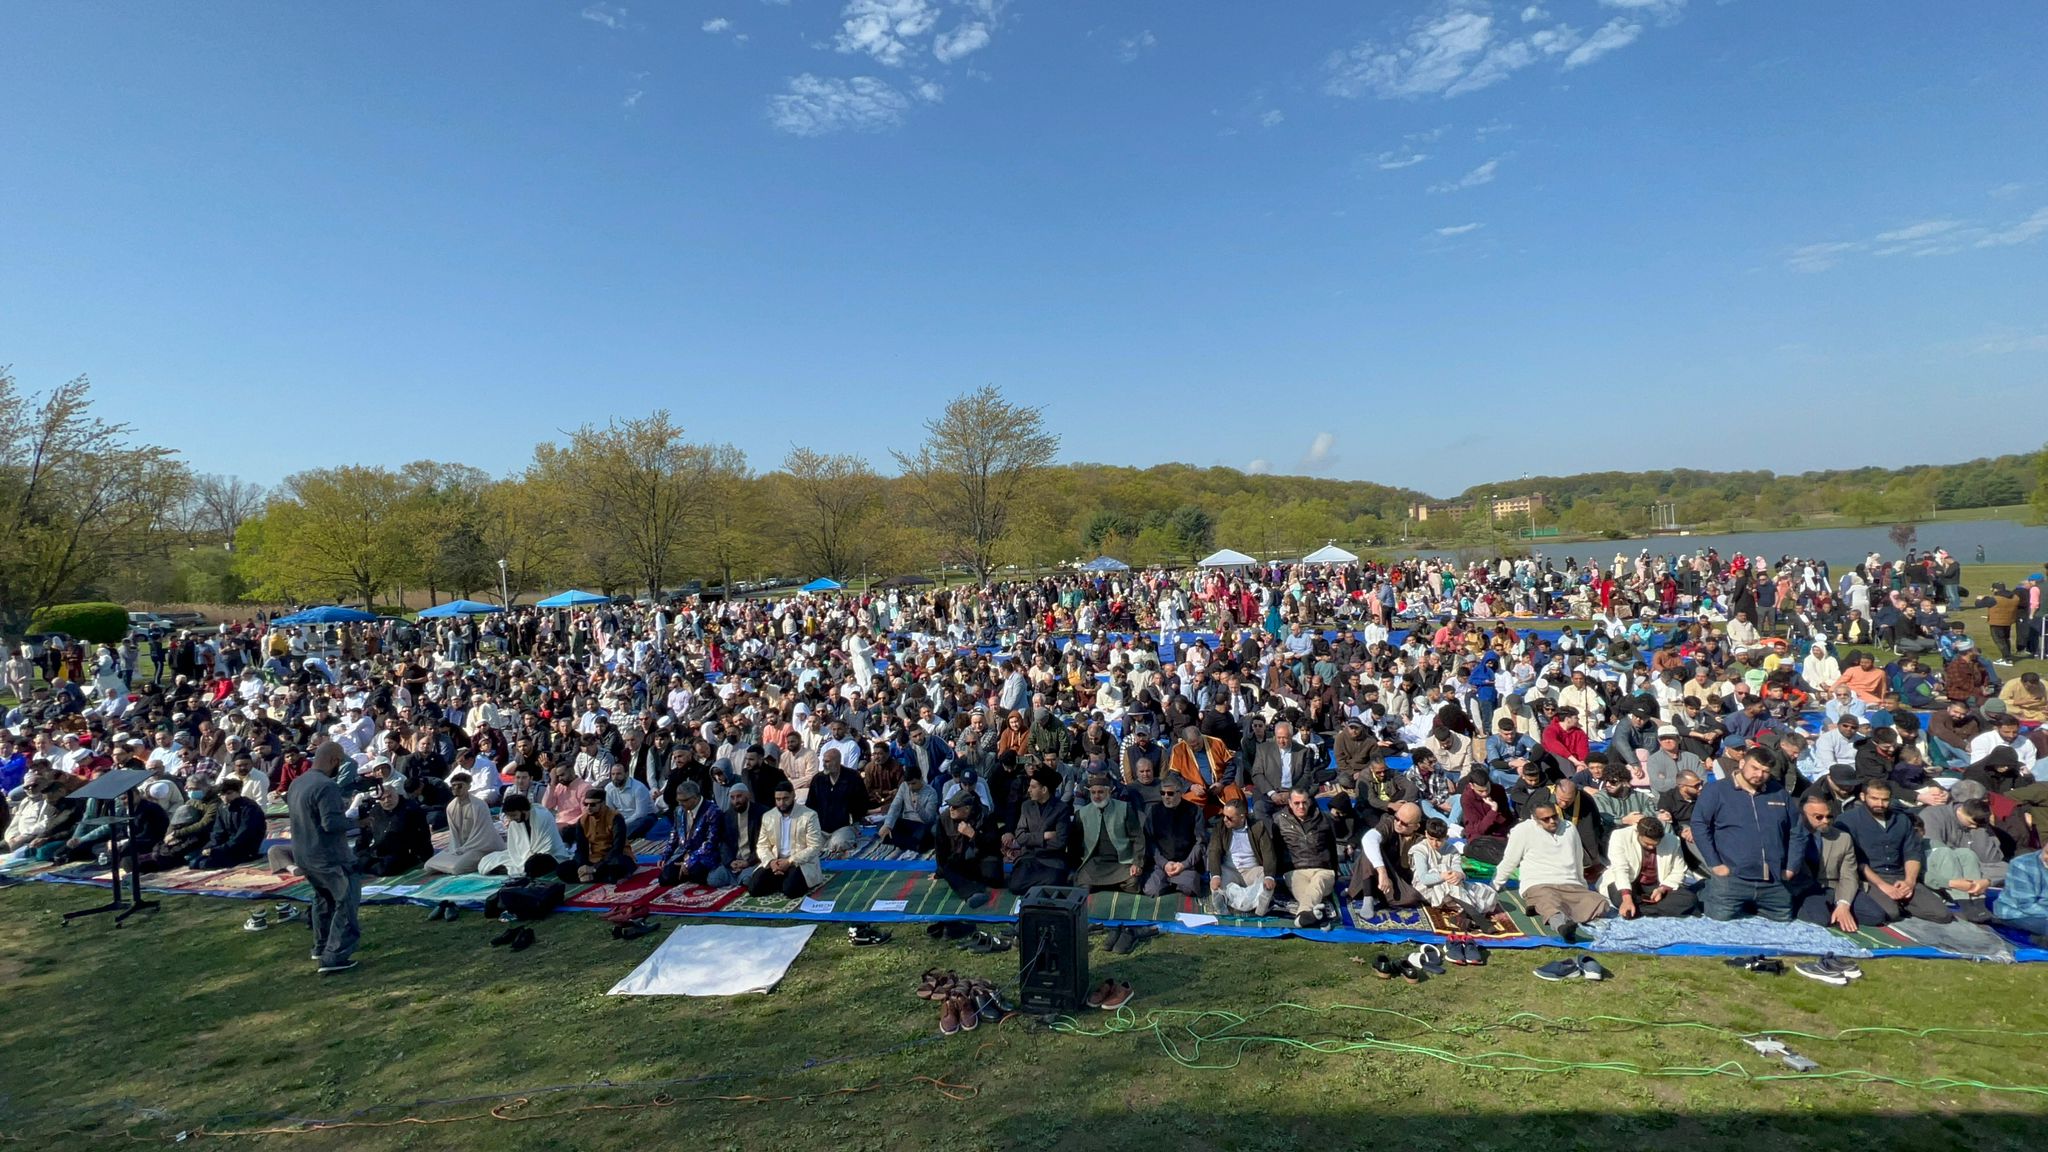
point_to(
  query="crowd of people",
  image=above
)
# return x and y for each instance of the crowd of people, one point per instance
(1247, 738)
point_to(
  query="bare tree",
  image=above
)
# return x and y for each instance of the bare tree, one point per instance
(976, 459)
(830, 497)
(220, 504)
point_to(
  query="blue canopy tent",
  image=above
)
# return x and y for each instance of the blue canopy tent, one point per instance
(330, 614)
(573, 598)
(822, 584)
(459, 608)
(1105, 564)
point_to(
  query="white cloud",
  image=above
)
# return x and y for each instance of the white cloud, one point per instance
(1940, 237)
(1460, 229)
(1821, 257)
(1132, 47)
(1918, 231)
(1616, 33)
(1481, 175)
(2007, 344)
(632, 99)
(2032, 228)
(608, 15)
(1390, 161)
(1272, 118)
(885, 29)
(1259, 467)
(818, 106)
(931, 93)
(1437, 53)
(964, 40)
(1318, 453)
(2008, 189)
(716, 24)
(1459, 46)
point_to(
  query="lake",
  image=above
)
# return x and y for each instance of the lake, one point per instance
(2004, 542)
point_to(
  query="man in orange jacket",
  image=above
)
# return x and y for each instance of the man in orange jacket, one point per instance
(1209, 769)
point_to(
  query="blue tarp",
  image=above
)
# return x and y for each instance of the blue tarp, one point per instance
(331, 614)
(459, 608)
(572, 598)
(821, 584)
(1105, 564)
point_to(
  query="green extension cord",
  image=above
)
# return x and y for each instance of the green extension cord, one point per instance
(1182, 1035)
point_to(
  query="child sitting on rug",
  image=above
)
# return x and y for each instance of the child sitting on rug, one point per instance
(1440, 875)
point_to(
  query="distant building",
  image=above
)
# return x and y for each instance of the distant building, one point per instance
(1501, 507)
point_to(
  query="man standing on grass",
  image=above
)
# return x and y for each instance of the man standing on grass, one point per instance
(320, 828)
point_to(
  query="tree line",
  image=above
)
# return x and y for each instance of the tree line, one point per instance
(89, 511)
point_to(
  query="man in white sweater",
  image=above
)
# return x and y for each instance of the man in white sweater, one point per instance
(1552, 865)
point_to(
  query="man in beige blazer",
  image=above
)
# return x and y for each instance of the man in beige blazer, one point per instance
(789, 847)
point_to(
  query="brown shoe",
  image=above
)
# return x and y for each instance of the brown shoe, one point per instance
(1102, 992)
(1118, 996)
(949, 1017)
(970, 1016)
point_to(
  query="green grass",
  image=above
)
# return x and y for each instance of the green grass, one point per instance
(181, 1020)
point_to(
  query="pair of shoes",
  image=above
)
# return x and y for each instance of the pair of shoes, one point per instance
(866, 936)
(445, 910)
(1760, 964)
(988, 943)
(1465, 953)
(330, 967)
(518, 937)
(957, 1014)
(632, 929)
(286, 913)
(256, 922)
(1830, 969)
(936, 985)
(1583, 968)
(1429, 959)
(1111, 994)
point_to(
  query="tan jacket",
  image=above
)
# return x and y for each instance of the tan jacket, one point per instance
(806, 842)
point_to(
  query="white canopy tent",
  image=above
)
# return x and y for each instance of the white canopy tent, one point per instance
(1330, 554)
(1228, 559)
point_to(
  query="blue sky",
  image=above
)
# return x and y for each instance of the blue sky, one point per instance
(1425, 243)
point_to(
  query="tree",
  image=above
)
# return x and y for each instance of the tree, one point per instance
(76, 497)
(328, 532)
(731, 539)
(1192, 530)
(524, 521)
(828, 502)
(637, 489)
(219, 504)
(440, 526)
(2040, 497)
(976, 458)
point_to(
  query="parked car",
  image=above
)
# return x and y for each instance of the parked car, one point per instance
(146, 625)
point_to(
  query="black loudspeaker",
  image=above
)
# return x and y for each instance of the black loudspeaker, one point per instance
(1052, 950)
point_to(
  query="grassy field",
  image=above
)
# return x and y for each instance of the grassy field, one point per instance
(182, 1022)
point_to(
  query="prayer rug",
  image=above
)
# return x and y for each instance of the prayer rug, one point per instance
(695, 899)
(469, 891)
(1697, 935)
(639, 888)
(252, 880)
(1499, 926)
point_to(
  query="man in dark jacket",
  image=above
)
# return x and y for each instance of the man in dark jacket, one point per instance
(1308, 856)
(1892, 855)
(395, 838)
(237, 830)
(1244, 863)
(1279, 765)
(1173, 830)
(739, 829)
(1752, 841)
(840, 799)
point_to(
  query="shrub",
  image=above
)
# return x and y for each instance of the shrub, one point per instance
(94, 623)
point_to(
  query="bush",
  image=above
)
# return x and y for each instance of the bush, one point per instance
(93, 623)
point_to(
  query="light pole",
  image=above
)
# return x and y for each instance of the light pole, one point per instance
(504, 588)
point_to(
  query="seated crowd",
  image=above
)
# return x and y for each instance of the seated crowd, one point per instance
(1306, 755)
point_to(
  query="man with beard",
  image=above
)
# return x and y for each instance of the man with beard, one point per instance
(1036, 847)
(1173, 829)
